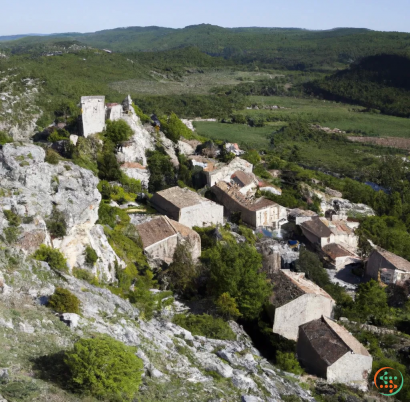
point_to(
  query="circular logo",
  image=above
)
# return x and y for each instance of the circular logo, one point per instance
(388, 381)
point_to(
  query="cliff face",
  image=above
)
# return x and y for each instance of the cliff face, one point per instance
(31, 188)
(177, 364)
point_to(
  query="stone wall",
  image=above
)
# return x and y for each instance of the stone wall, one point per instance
(93, 114)
(300, 311)
(162, 250)
(351, 369)
(202, 215)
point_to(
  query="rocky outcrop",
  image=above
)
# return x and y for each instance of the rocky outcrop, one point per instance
(183, 363)
(31, 188)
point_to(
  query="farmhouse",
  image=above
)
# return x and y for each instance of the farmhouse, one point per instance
(160, 237)
(259, 212)
(390, 267)
(337, 257)
(328, 350)
(187, 207)
(297, 301)
(321, 232)
(92, 115)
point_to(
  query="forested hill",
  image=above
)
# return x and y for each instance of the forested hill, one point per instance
(290, 48)
(379, 82)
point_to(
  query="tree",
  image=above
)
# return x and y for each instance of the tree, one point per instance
(227, 306)
(182, 271)
(161, 170)
(288, 362)
(91, 256)
(234, 269)
(63, 301)
(117, 131)
(174, 128)
(56, 223)
(104, 368)
(108, 167)
(370, 304)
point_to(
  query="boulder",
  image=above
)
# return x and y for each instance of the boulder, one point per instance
(71, 319)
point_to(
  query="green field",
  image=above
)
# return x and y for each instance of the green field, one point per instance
(245, 136)
(331, 114)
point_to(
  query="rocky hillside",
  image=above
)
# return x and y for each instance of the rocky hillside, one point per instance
(177, 364)
(35, 195)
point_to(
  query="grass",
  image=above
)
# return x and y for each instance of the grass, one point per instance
(199, 82)
(331, 114)
(245, 136)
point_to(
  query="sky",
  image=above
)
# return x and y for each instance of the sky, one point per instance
(51, 16)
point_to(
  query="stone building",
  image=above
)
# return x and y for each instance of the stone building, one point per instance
(256, 212)
(388, 266)
(92, 115)
(114, 111)
(223, 172)
(187, 207)
(321, 232)
(337, 257)
(297, 301)
(328, 350)
(160, 237)
(299, 216)
(246, 182)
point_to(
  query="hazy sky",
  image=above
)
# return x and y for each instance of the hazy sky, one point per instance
(49, 16)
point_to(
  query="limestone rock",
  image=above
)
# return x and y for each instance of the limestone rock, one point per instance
(185, 148)
(71, 319)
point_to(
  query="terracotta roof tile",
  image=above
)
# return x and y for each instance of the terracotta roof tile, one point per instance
(399, 262)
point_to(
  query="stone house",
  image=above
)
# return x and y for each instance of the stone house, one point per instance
(388, 266)
(297, 301)
(255, 212)
(223, 172)
(299, 216)
(187, 207)
(246, 182)
(328, 350)
(321, 232)
(92, 115)
(337, 257)
(160, 237)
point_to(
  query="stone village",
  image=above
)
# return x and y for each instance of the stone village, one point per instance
(303, 312)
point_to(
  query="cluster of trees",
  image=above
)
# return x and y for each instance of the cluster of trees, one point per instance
(380, 82)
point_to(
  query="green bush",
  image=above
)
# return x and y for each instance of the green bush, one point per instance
(108, 166)
(144, 118)
(52, 157)
(53, 257)
(173, 128)
(117, 131)
(63, 301)
(56, 223)
(288, 362)
(12, 218)
(91, 256)
(59, 135)
(205, 325)
(5, 138)
(104, 368)
(11, 234)
(83, 274)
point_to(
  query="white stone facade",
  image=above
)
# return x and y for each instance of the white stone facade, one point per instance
(299, 311)
(225, 172)
(93, 114)
(202, 215)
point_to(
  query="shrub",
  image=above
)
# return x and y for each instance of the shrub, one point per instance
(104, 368)
(117, 131)
(12, 218)
(52, 157)
(58, 135)
(205, 325)
(288, 362)
(53, 257)
(227, 306)
(11, 234)
(83, 274)
(5, 138)
(56, 223)
(144, 118)
(91, 256)
(174, 128)
(63, 301)
(108, 167)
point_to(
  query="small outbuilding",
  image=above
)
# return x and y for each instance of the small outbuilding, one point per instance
(187, 207)
(160, 237)
(337, 257)
(390, 267)
(328, 350)
(297, 301)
